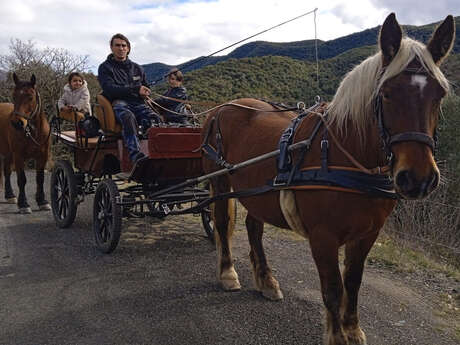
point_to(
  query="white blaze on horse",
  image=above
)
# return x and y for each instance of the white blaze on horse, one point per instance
(24, 134)
(393, 98)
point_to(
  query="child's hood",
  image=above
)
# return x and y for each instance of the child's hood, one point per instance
(69, 89)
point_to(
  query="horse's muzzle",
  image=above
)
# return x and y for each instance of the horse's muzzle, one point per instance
(410, 187)
(18, 125)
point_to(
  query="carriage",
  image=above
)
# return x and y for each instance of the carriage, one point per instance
(121, 190)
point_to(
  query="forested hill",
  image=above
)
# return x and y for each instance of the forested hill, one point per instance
(301, 50)
(283, 79)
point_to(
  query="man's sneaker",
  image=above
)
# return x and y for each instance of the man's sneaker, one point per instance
(139, 157)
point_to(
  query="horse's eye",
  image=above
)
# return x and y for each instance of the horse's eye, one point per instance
(386, 96)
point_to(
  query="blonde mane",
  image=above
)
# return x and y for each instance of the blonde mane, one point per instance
(353, 101)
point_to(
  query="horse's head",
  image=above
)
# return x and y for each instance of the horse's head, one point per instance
(25, 99)
(407, 104)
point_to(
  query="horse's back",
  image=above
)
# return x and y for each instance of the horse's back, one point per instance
(5, 110)
(250, 129)
(250, 124)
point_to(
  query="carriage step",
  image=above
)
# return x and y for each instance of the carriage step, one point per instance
(122, 176)
(126, 184)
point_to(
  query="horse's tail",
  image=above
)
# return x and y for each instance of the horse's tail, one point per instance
(2, 163)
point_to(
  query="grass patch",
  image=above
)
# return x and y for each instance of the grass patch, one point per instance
(395, 256)
(387, 253)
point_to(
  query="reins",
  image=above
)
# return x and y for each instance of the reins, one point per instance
(151, 103)
(377, 170)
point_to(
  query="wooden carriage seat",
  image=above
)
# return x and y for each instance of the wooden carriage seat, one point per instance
(70, 115)
(104, 112)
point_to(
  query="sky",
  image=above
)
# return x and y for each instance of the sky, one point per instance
(175, 31)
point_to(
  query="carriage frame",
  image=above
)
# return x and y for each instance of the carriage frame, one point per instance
(101, 167)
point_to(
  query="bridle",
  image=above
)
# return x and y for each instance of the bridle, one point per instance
(29, 128)
(35, 112)
(388, 139)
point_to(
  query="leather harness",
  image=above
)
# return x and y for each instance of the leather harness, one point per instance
(374, 182)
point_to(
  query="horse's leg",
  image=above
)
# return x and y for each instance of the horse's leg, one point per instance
(325, 251)
(40, 180)
(224, 220)
(9, 194)
(263, 278)
(355, 256)
(22, 199)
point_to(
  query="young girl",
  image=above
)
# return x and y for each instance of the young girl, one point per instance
(75, 98)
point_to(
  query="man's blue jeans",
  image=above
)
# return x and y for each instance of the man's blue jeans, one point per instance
(130, 115)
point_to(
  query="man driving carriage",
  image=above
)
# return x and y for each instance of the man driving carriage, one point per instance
(124, 84)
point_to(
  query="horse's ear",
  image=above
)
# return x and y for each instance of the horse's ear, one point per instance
(15, 78)
(390, 38)
(33, 80)
(442, 40)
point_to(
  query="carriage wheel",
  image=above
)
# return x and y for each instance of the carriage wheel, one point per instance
(208, 223)
(106, 216)
(63, 193)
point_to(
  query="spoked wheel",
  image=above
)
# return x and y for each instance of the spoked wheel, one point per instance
(106, 216)
(208, 223)
(63, 193)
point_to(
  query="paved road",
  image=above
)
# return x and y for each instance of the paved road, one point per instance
(159, 287)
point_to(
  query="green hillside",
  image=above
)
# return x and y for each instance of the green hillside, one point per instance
(299, 50)
(283, 79)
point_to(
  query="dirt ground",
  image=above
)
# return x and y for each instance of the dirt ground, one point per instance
(159, 287)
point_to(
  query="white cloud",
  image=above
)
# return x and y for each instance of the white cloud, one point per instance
(175, 31)
(415, 12)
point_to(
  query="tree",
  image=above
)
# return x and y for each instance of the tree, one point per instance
(50, 65)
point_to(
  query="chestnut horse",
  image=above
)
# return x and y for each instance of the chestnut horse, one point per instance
(392, 97)
(24, 134)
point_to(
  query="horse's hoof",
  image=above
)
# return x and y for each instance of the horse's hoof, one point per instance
(356, 336)
(44, 207)
(231, 285)
(273, 295)
(229, 279)
(25, 210)
(12, 200)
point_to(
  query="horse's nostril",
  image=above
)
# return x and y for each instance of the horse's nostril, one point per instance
(411, 187)
(432, 182)
(404, 180)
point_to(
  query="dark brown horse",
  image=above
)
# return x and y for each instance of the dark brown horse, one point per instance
(24, 134)
(392, 97)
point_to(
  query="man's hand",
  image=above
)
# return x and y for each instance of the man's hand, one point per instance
(144, 91)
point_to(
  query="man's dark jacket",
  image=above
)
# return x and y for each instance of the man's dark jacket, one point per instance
(121, 80)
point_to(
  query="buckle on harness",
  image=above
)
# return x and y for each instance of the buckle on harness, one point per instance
(324, 142)
(276, 184)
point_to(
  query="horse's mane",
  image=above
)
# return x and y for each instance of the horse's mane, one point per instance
(353, 100)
